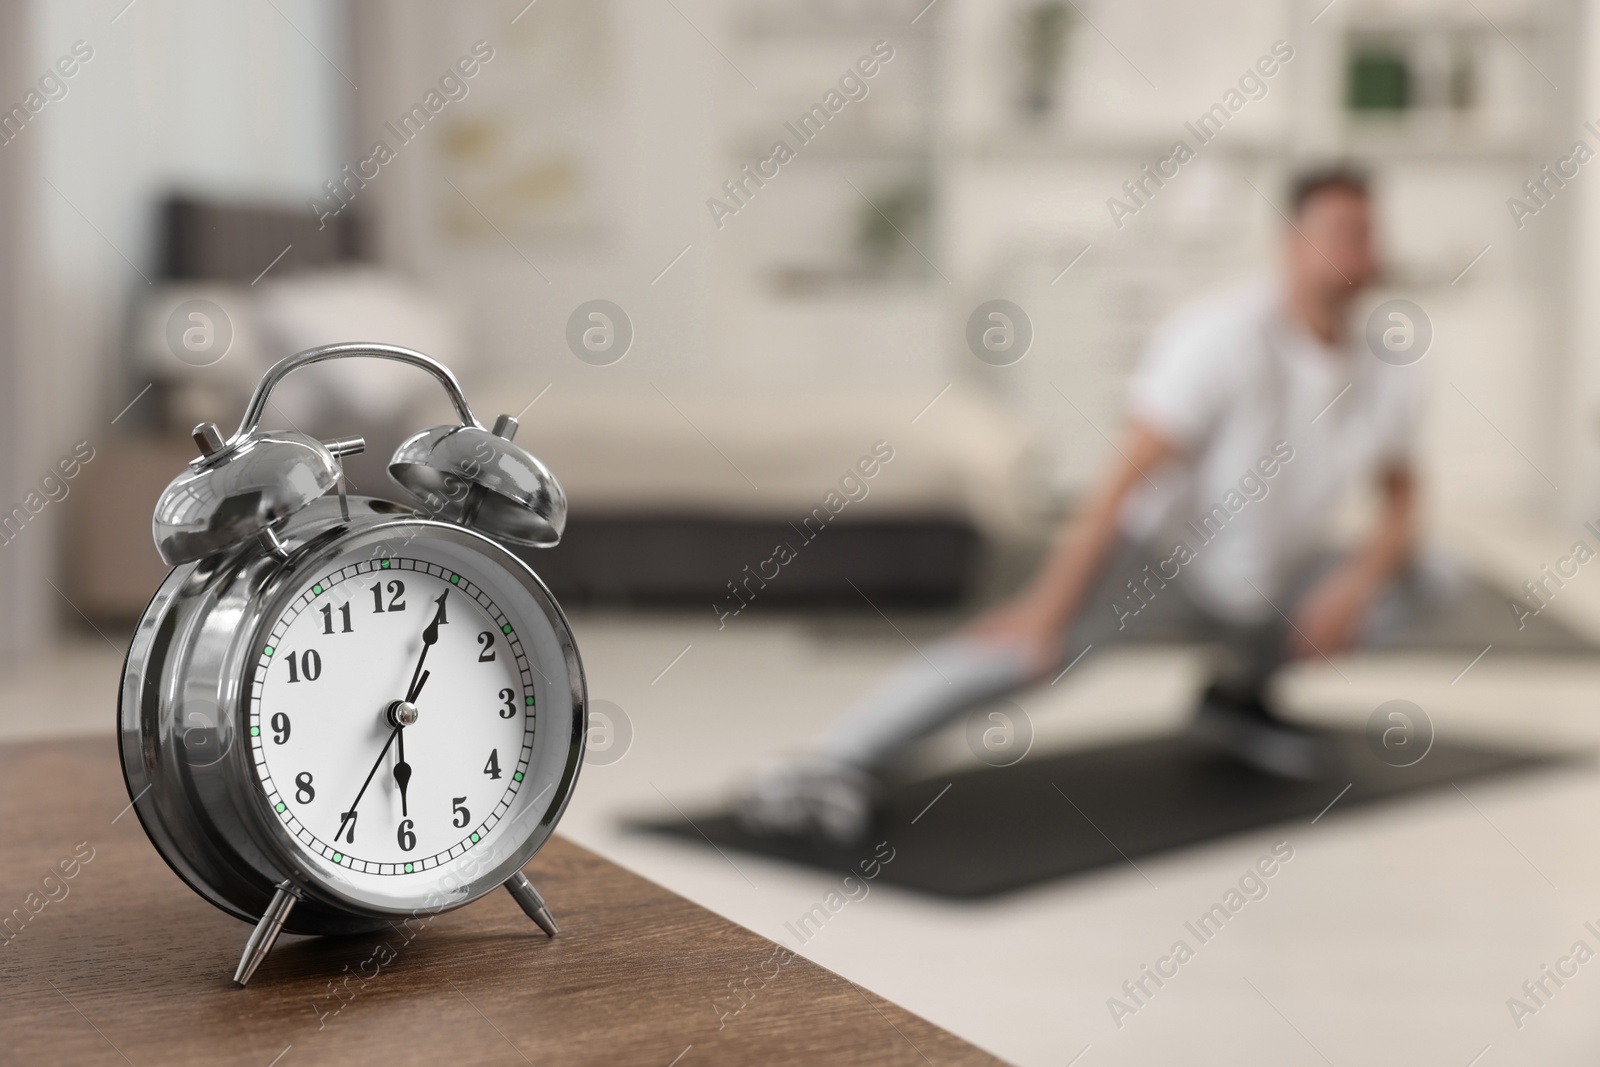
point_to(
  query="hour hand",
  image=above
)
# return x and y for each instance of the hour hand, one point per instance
(402, 714)
(402, 777)
(402, 769)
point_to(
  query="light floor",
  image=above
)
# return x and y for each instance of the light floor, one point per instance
(1394, 936)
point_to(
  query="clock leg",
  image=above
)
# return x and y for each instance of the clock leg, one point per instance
(265, 933)
(532, 903)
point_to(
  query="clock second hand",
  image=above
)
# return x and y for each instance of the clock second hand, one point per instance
(351, 814)
(401, 778)
(419, 678)
(402, 769)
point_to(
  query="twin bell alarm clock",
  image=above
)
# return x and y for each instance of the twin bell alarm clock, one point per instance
(341, 711)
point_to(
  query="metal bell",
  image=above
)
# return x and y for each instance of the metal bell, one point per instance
(238, 491)
(244, 487)
(478, 478)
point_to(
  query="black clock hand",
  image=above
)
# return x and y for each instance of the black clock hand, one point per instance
(419, 678)
(430, 634)
(379, 763)
(402, 769)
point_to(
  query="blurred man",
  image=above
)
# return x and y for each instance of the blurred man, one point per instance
(1250, 419)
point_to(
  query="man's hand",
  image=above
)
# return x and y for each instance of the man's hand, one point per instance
(1024, 622)
(1036, 617)
(1328, 618)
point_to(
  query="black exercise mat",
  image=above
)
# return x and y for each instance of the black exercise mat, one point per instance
(995, 830)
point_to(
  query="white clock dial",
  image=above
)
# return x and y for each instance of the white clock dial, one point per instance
(347, 778)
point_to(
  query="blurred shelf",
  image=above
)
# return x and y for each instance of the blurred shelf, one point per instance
(1445, 18)
(888, 21)
(811, 282)
(748, 148)
(1437, 133)
(1019, 145)
(1422, 133)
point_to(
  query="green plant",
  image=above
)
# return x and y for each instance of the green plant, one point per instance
(1043, 34)
(892, 219)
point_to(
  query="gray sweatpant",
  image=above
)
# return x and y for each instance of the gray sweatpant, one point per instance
(957, 674)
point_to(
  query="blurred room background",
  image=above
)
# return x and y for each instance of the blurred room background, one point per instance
(222, 157)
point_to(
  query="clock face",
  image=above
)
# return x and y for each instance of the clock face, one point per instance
(393, 712)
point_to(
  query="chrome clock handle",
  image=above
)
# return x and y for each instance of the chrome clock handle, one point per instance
(242, 488)
(465, 474)
(281, 369)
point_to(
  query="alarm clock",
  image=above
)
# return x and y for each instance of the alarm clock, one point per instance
(342, 711)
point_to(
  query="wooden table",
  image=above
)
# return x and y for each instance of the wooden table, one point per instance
(130, 966)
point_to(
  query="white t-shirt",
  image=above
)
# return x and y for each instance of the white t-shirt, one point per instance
(1273, 427)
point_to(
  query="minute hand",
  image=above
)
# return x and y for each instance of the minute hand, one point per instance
(430, 635)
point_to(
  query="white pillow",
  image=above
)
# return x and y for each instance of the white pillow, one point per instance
(306, 310)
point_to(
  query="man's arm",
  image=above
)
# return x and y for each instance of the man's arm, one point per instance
(1328, 618)
(1037, 616)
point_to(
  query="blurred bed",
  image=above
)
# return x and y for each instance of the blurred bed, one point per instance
(717, 502)
(736, 499)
